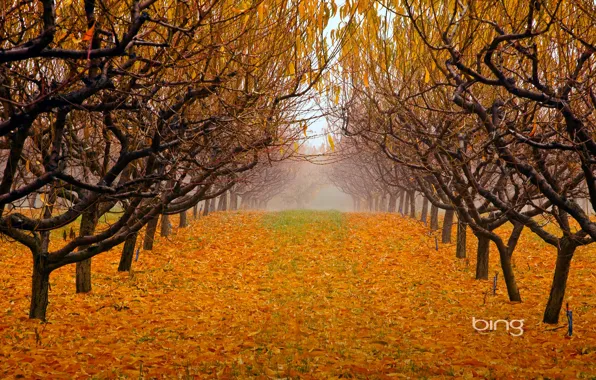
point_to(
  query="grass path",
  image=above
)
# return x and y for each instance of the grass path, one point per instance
(296, 294)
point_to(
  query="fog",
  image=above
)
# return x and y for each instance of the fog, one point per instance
(328, 197)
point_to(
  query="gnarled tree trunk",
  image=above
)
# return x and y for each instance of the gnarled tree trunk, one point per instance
(565, 253)
(413, 204)
(508, 276)
(392, 200)
(166, 226)
(514, 237)
(183, 220)
(460, 250)
(223, 202)
(482, 255)
(40, 282)
(434, 218)
(83, 268)
(447, 227)
(150, 234)
(128, 252)
(233, 201)
(424, 213)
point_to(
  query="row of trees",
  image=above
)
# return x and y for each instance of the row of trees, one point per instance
(115, 113)
(487, 109)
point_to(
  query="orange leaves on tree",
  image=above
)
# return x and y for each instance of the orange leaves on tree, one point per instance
(88, 36)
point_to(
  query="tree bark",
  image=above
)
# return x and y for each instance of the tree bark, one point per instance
(166, 226)
(565, 253)
(233, 201)
(508, 276)
(482, 255)
(83, 268)
(195, 212)
(183, 220)
(207, 206)
(514, 237)
(392, 200)
(128, 252)
(223, 202)
(460, 250)
(447, 227)
(413, 204)
(401, 200)
(40, 281)
(407, 203)
(150, 234)
(434, 218)
(424, 210)
(212, 205)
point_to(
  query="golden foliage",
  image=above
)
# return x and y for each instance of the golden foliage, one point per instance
(300, 294)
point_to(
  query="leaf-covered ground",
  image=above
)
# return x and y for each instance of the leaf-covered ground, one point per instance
(296, 295)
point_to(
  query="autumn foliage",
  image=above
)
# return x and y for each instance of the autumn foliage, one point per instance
(298, 295)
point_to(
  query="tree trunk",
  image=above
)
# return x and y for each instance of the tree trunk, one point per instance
(447, 227)
(127, 253)
(407, 203)
(40, 281)
(207, 205)
(482, 258)
(509, 277)
(413, 204)
(392, 200)
(195, 212)
(460, 250)
(400, 201)
(565, 253)
(83, 276)
(150, 234)
(434, 218)
(223, 202)
(212, 205)
(183, 220)
(83, 268)
(514, 237)
(233, 201)
(166, 226)
(424, 210)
